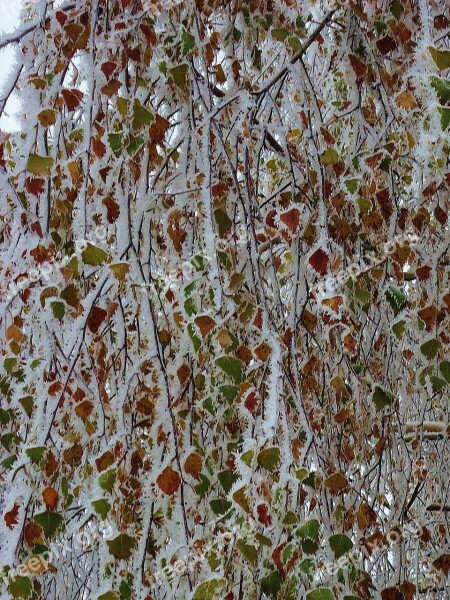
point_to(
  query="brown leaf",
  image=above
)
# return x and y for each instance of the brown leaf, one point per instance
(366, 516)
(47, 117)
(96, 318)
(51, 464)
(11, 517)
(105, 461)
(168, 481)
(159, 129)
(206, 324)
(358, 66)
(98, 147)
(386, 44)
(263, 351)
(108, 68)
(193, 465)
(111, 88)
(50, 496)
(35, 186)
(183, 373)
(175, 230)
(32, 532)
(408, 590)
(251, 402)
(392, 593)
(73, 455)
(263, 514)
(72, 98)
(319, 261)
(112, 208)
(442, 563)
(84, 409)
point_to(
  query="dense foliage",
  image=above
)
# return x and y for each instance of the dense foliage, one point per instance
(225, 305)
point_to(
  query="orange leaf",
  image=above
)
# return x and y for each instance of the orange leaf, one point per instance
(11, 517)
(50, 496)
(193, 465)
(168, 481)
(98, 146)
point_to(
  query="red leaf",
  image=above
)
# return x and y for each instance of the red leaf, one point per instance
(11, 517)
(291, 219)
(319, 261)
(263, 515)
(96, 318)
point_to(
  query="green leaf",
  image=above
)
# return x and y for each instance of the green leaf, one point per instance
(188, 42)
(220, 506)
(233, 367)
(396, 298)
(101, 507)
(50, 522)
(352, 185)
(364, 205)
(320, 594)
(121, 546)
(444, 368)
(271, 584)
(330, 156)
(115, 142)
(431, 348)
(340, 544)
(141, 115)
(39, 165)
(442, 89)
(382, 398)
(125, 590)
(229, 392)
(94, 256)
(445, 117)
(71, 295)
(227, 479)
(249, 552)
(202, 488)
(295, 43)
(224, 223)
(437, 383)
(399, 329)
(279, 34)
(397, 8)
(209, 590)
(135, 145)
(20, 587)
(440, 57)
(107, 480)
(269, 458)
(36, 454)
(196, 341)
(109, 596)
(179, 75)
(190, 306)
(309, 530)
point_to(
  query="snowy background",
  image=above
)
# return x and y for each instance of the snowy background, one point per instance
(9, 20)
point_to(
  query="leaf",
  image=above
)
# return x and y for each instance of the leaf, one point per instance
(386, 44)
(193, 465)
(330, 157)
(232, 367)
(94, 256)
(406, 100)
(249, 552)
(358, 66)
(445, 117)
(101, 507)
(121, 546)
(440, 57)
(291, 219)
(320, 594)
(269, 458)
(47, 117)
(224, 223)
(271, 584)
(71, 295)
(84, 409)
(21, 587)
(396, 298)
(444, 368)
(120, 270)
(107, 480)
(319, 261)
(220, 506)
(36, 454)
(336, 483)
(442, 563)
(39, 165)
(112, 209)
(431, 348)
(188, 41)
(11, 517)
(72, 98)
(309, 530)
(168, 481)
(179, 74)
(442, 89)
(227, 479)
(49, 522)
(340, 544)
(141, 115)
(209, 590)
(382, 398)
(50, 496)
(96, 318)
(206, 324)
(115, 142)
